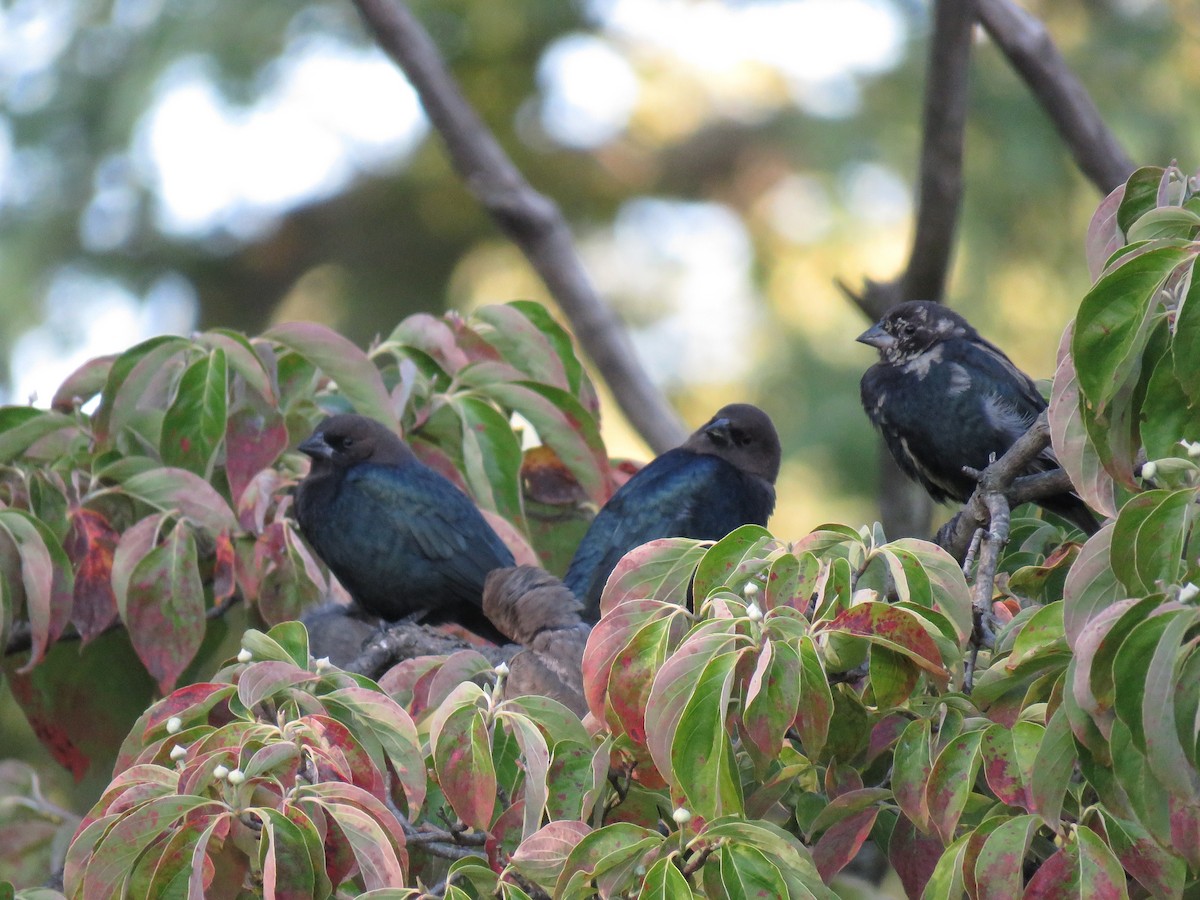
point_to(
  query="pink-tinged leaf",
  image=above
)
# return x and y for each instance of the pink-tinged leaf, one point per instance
(1185, 828)
(895, 629)
(848, 803)
(632, 674)
(1151, 529)
(129, 382)
(1084, 867)
(45, 577)
(194, 423)
(913, 855)
(292, 581)
(1008, 771)
(521, 343)
(243, 360)
(254, 439)
(116, 852)
(83, 384)
(191, 704)
(609, 636)
(408, 682)
(381, 858)
(356, 376)
(1104, 237)
(563, 424)
(287, 867)
(224, 580)
(514, 540)
(1074, 449)
(950, 782)
(90, 545)
(772, 699)
(611, 853)
(739, 870)
(178, 489)
(462, 756)
(396, 733)
(702, 755)
(998, 866)
(164, 608)
(948, 591)
(21, 427)
(433, 337)
(1052, 769)
(458, 667)
(841, 843)
(173, 869)
(674, 687)
(344, 752)
(541, 856)
(659, 570)
(1163, 874)
(732, 560)
(535, 761)
(1090, 586)
(815, 710)
(261, 680)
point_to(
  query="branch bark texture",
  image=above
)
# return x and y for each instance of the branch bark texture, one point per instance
(529, 218)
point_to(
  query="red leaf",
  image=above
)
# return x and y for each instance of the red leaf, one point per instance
(223, 582)
(253, 440)
(90, 545)
(841, 843)
(164, 609)
(913, 855)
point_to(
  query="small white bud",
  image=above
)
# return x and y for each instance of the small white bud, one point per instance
(178, 752)
(754, 613)
(1192, 447)
(245, 656)
(750, 591)
(236, 776)
(174, 724)
(1188, 592)
(1149, 470)
(323, 663)
(501, 670)
(220, 772)
(681, 816)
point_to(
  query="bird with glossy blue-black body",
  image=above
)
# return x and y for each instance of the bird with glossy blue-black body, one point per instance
(722, 477)
(944, 398)
(400, 537)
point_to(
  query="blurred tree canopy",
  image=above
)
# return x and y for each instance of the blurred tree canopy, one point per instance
(714, 207)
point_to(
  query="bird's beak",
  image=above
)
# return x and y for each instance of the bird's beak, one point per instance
(316, 447)
(718, 430)
(876, 337)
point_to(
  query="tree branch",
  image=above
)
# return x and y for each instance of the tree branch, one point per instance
(408, 640)
(1031, 51)
(530, 219)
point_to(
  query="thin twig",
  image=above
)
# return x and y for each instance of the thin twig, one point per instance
(530, 219)
(1026, 43)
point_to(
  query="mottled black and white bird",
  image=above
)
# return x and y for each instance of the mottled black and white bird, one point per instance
(944, 398)
(721, 478)
(400, 537)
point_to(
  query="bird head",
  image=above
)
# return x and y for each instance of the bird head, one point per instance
(743, 435)
(346, 440)
(909, 329)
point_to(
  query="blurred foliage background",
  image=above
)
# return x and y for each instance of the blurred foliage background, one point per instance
(171, 164)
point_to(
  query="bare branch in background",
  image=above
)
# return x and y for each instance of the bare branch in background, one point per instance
(529, 218)
(1031, 51)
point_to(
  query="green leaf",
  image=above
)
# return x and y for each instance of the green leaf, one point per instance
(194, 423)
(911, 768)
(1139, 196)
(128, 378)
(288, 869)
(610, 854)
(1114, 317)
(950, 782)
(43, 575)
(998, 871)
(1091, 585)
(23, 426)
(170, 489)
(772, 700)
(1084, 867)
(1073, 446)
(1052, 769)
(702, 760)
(742, 872)
(1151, 529)
(815, 711)
(1165, 222)
(664, 881)
(731, 561)
(1184, 344)
(355, 375)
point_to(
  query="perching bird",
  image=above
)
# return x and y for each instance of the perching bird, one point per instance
(399, 536)
(722, 477)
(944, 398)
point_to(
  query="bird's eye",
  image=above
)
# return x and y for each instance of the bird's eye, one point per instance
(908, 329)
(739, 437)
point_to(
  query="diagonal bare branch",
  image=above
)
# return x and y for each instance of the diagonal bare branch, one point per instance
(1024, 40)
(529, 218)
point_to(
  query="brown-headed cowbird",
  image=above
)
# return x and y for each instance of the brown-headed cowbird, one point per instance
(722, 477)
(400, 537)
(944, 398)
